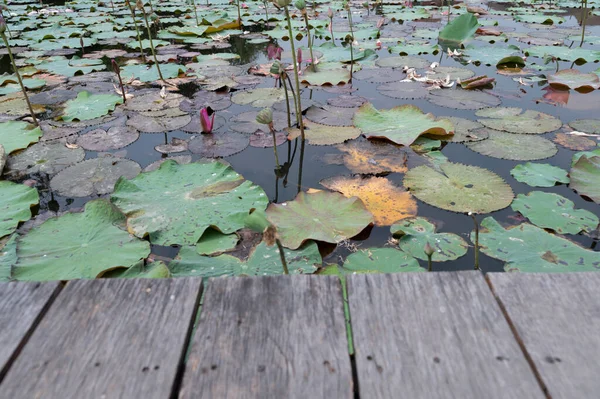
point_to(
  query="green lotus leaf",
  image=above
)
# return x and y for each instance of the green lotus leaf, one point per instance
(517, 147)
(528, 248)
(2, 158)
(490, 55)
(585, 177)
(591, 126)
(589, 154)
(574, 79)
(514, 120)
(416, 232)
(459, 188)
(463, 99)
(175, 204)
(328, 73)
(380, 260)
(402, 61)
(555, 212)
(8, 256)
(263, 261)
(156, 269)
(414, 49)
(539, 174)
(16, 135)
(260, 98)
(318, 134)
(16, 201)
(401, 125)
(89, 106)
(406, 14)
(45, 157)
(134, 44)
(212, 242)
(321, 216)
(574, 54)
(82, 245)
(458, 30)
(149, 74)
(70, 67)
(539, 19)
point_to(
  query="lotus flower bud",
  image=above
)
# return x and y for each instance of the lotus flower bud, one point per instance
(428, 249)
(330, 13)
(2, 24)
(276, 68)
(299, 56)
(115, 67)
(265, 116)
(206, 121)
(300, 5)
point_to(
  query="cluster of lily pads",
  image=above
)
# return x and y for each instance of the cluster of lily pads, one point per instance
(97, 78)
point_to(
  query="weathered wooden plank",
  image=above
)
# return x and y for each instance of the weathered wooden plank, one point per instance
(270, 337)
(21, 307)
(108, 339)
(557, 318)
(434, 335)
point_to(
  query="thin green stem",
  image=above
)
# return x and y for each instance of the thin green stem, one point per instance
(295, 100)
(239, 15)
(312, 58)
(14, 65)
(476, 242)
(298, 99)
(275, 147)
(583, 22)
(300, 164)
(195, 12)
(332, 37)
(282, 256)
(351, 42)
(152, 45)
(137, 31)
(287, 101)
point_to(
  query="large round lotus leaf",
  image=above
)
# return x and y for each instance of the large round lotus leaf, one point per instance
(574, 54)
(175, 204)
(263, 261)
(574, 142)
(263, 97)
(8, 256)
(417, 232)
(145, 74)
(78, 245)
(402, 61)
(539, 174)
(517, 147)
(328, 73)
(379, 75)
(514, 120)
(246, 122)
(591, 126)
(401, 125)
(320, 216)
(454, 73)
(528, 248)
(404, 90)
(212, 242)
(328, 115)
(585, 177)
(93, 177)
(387, 202)
(56, 130)
(466, 130)
(16, 201)
(159, 124)
(204, 99)
(112, 139)
(15, 104)
(346, 101)
(380, 260)
(574, 79)
(153, 101)
(552, 211)
(372, 157)
(459, 188)
(48, 158)
(318, 134)
(16, 135)
(215, 145)
(89, 106)
(463, 99)
(459, 30)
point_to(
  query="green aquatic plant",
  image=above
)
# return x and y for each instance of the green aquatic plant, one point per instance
(330, 16)
(137, 30)
(117, 71)
(140, 6)
(429, 252)
(349, 10)
(301, 5)
(257, 221)
(265, 117)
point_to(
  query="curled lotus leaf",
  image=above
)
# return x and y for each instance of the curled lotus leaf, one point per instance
(320, 216)
(459, 188)
(175, 204)
(401, 125)
(16, 135)
(585, 175)
(83, 245)
(528, 248)
(16, 201)
(213, 242)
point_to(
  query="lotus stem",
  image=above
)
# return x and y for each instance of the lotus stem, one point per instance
(312, 57)
(14, 65)
(282, 256)
(476, 241)
(287, 102)
(195, 12)
(429, 251)
(583, 21)
(239, 15)
(151, 44)
(298, 99)
(266, 12)
(137, 31)
(429, 263)
(351, 40)
(272, 129)
(300, 166)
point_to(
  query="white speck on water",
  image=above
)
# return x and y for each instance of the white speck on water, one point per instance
(214, 174)
(172, 297)
(45, 255)
(193, 270)
(212, 268)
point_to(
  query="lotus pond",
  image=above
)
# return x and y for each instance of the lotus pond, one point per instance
(352, 137)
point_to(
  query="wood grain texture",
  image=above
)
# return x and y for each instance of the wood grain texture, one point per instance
(270, 337)
(107, 339)
(434, 335)
(21, 308)
(557, 318)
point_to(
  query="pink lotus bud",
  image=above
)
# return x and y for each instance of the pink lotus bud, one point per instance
(274, 52)
(244, 5)
(299, 56)
(378, 44)
(115, 67)
(206, 121)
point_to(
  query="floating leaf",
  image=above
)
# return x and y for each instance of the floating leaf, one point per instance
(555, 212)
(459, 30)
(463, 99)
(114, 138)
(585, 177)
(514, 120)
(539, 174)
(333, 116)
(93, 177)
(387, 202)
(527, 248)
(155, 269)
(372, 157)
(8, 256)
(216, 145)
(401, 125)
(459, 188)
(466, 130)
(16, 135)
(213, 242)
(158, 123)
(318, 134)
(573, 142)
(179, 202)
(320, 216)
(402, 61)
(49, 158)
(328, 73)
(591, 126)
(89, 106)
(517, 147)
(147, 73)
(83, 245)
(574, 79)
(404, 90)
(260, 98)
(416, 232)
(380, 260)
(16, 201)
